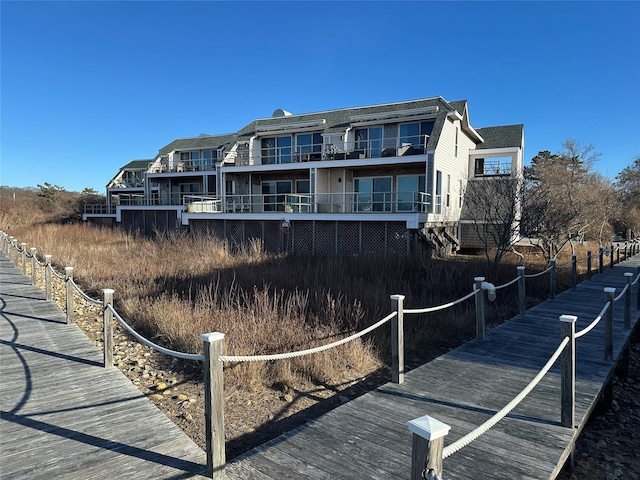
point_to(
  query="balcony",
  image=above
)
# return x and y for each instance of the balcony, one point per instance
(486, 168)
(353, 202)
(361, 149)
(178, 166)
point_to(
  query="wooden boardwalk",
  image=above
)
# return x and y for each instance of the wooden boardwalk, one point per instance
(368, 436)
(64, 416)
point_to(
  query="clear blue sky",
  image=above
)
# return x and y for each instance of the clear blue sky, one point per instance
(89, 86)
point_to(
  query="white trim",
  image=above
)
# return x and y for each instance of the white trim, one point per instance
(367, 117)
(492, 151)
(290, 127)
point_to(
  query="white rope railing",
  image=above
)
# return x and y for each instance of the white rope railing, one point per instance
(300, 353)
(636, 280)
(515, 280)
(482, 429)
(624, 290)
(149, 343)
(566, 265)
(590, 327)
(533, 275)
(439, 307)
(42, 264)
(84, 295)
(61, 277)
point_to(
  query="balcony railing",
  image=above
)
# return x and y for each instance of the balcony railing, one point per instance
(100, 209)
(353, 202)
(492, 167)
(385, 147)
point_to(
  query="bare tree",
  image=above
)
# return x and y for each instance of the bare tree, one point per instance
(560, 205)
(494, 204)
(628, 188)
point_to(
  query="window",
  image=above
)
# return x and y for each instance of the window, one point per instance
(369, 141)
(190, 161)
(208, 159)
(455, 153)
(410, 188)
(478, 168)
(197, 160)
(460, 195)
(303, 186)
(438, 192)
(276, 150)
(415, 134)
(372, 194)
(274, 195)
(448, 190)
(308, 146)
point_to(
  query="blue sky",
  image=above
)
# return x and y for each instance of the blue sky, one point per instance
(87, 87)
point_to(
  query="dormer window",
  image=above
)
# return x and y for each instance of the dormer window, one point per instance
(415, 134)
(308, 146)
(369, 141)
(276, 150)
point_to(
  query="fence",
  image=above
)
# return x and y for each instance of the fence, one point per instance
(428, 438)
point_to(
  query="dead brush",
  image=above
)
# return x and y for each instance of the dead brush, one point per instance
(177, 286)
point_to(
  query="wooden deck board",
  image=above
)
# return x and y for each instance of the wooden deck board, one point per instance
(463, 388)
(65, 416)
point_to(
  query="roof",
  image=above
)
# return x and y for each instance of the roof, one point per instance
(137, 165)
(501, 137)
(212, 142)
(338, 120)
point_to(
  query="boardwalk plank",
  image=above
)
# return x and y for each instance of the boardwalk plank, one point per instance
(62, 414)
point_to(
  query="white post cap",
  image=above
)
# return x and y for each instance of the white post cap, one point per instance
(428, 427)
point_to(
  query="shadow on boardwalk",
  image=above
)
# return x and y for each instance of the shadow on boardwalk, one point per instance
(62, 415)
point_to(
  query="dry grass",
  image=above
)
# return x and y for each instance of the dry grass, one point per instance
(175, 287)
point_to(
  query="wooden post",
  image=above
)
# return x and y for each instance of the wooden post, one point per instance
(480, 323)
(626, 254)
(600, 259)
(618, 254)
(214, 404)
(34, 278)
(397, 339)
(608, 326)
(552, 279)
(588, 264)
(568, 372)
(628, 276)
(24, 258)
(47, 277)
(638, 290)
(68, 277)
(574, 270)
(611, 257)
(12, 242)
(428, 441)
(522, 294)
(107, 327)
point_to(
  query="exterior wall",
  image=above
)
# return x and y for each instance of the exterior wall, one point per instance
(447, 162)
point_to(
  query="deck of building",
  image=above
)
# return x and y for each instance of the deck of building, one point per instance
(64, 416)
(368, 436)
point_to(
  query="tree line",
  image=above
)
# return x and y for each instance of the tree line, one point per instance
(559, 201)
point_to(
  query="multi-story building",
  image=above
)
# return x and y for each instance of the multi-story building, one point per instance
(380, 178)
